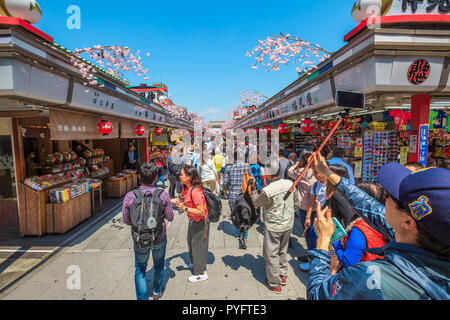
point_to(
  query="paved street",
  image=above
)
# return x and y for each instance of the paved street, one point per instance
(105, 259)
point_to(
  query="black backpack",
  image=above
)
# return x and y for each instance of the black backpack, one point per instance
(174, 169)
(243, 214)
(147, 215)
(213, 204)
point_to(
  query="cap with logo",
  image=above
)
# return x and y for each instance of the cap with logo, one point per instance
(424, 193)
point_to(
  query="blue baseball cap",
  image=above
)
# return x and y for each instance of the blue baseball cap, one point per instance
(425, 194)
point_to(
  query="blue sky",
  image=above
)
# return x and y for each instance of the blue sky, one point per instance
(198, 47)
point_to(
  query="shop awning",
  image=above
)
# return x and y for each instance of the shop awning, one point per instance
(128, 129)
(70, 125)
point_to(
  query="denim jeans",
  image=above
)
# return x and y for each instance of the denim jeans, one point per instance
(302, 214)
(160, 177)
(140, 277)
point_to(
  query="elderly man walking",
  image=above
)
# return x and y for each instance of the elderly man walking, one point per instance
(278, 217)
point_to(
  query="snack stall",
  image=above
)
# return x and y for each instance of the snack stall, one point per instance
(62, 195)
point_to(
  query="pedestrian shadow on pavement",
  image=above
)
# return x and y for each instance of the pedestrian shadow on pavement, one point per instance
(169, 273)
(228, 228)
(255, 265)
(301, 275)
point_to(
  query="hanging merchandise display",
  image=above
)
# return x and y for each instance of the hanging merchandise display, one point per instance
(401, 118)
(439, 136)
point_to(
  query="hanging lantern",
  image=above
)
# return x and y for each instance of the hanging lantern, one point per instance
(257, 130)
(140, 130)
(283, 128)
(268, 128)
(158, 131)
(104, 127)
(308, 125)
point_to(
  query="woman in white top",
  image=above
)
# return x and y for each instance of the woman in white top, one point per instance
(208, 173)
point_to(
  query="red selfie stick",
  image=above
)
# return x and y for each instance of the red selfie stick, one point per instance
(310, 162)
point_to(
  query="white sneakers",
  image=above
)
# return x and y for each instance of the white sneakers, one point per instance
(198, 277)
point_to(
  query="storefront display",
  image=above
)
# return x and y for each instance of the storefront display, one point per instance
(380, 148)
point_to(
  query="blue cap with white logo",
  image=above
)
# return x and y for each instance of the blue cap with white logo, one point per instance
(424, 193)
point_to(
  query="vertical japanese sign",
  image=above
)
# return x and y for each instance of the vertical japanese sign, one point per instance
(423, 145)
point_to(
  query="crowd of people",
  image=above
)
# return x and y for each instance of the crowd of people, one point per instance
(394, 238)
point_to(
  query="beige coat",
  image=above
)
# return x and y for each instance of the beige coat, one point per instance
(304, 187)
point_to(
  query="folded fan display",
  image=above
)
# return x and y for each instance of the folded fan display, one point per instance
(69, 192)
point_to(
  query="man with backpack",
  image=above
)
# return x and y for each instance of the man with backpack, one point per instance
(278, 218)
(235, 174)
(145, 210)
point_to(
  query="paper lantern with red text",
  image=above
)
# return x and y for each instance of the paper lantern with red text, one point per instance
(308, 125)
(104, 127)
(140, 130)
(283, 128)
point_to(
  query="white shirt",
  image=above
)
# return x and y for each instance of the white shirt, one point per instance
(208, 171)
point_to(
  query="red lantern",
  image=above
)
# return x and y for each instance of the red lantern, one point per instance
(283, 128)
(308, 125)
(140, 130)
(158, 131)
(268, 128)
(256, 130)
(104, 127)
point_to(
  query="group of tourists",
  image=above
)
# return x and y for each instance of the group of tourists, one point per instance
(395, 240)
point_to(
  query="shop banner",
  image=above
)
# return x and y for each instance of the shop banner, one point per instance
(128, 130)
(70, 125)
(423, 145)
(160, 140)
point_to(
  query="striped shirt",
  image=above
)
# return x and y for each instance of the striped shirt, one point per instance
(130, 197)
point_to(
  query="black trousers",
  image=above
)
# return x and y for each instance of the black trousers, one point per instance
(198, 242)
(175, 184)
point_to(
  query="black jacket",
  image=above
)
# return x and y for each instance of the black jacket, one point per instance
(128, 164)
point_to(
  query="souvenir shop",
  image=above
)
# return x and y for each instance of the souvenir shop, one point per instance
(372, 140)
(63, 146)
(403, 72)
(73, 161)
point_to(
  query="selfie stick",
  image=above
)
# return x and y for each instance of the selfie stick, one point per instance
(310, 162)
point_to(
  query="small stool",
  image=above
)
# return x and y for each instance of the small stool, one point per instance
(94, 208)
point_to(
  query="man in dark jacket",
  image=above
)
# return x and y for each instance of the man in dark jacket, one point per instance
(416, 220)
(131, 158)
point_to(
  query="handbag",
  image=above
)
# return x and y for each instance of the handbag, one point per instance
(246, 180)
